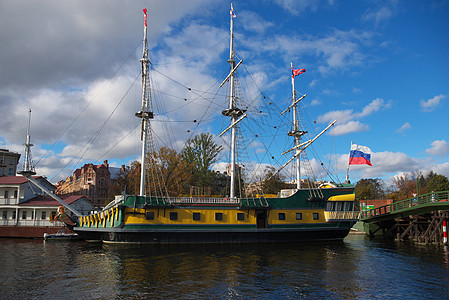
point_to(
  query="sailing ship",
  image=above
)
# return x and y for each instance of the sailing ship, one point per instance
(321, 213)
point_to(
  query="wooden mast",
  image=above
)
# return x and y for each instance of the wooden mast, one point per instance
(145, 114)
(233, 112)
(296, 133)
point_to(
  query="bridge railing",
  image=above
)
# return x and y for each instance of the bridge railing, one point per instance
(407, 203)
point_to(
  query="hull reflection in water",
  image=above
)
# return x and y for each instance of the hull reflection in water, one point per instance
(356, 268)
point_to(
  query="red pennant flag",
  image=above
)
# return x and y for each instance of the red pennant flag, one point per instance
(145, 12)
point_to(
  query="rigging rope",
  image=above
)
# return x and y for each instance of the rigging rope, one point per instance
(90, 142)
(88, 104)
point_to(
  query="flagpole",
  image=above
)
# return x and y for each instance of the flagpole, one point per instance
(347, 171)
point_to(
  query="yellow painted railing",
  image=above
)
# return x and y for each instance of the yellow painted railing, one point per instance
(341, 215)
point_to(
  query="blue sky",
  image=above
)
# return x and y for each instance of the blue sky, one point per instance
(380, 68)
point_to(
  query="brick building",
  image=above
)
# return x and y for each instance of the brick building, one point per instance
(374, 203)
(91, 180)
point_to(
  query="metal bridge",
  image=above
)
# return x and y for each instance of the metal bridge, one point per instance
(421, 219)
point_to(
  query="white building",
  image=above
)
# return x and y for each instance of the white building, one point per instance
(25, 211)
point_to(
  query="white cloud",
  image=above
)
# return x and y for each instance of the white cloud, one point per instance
(351, 126)
(356, 90)
(404, 127)
(313, 83)
(345, 117)
(336, 51)
(342, 116)
(374, 106)
(298, 6)
(439, 148)
(253, 22)
(379, 15)
(315, 102)
(442, 169)
(430, 104)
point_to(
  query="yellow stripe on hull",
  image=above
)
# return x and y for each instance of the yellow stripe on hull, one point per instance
(229, 216)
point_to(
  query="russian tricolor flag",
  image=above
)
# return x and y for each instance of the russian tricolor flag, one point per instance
(360, 155)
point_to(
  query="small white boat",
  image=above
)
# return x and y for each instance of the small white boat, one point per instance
(60, 235)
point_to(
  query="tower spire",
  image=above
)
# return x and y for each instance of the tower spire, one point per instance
(28, 167)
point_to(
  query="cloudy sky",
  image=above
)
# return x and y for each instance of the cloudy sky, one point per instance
(380, 68)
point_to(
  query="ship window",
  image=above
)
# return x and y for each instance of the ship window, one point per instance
(281, 216)
(348, 206)
(6, 194)
(5, 214)
(13, 215)
(330, 206)
(316, 216)
(339, 206)
(196, 216)
(298, 216)
(15, 194)
(149, 215)
(24, 215)
(44, 215)
(240, 216)
(173, 216)
(218, 216)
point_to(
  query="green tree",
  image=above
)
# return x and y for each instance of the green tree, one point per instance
(438, 183)
(199, 154)
(368, 188)
(272, 184)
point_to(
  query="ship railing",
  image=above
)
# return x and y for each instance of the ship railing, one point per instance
(341, 215)
(174, 200)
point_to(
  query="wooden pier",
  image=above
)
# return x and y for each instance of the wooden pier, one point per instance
(421, 219)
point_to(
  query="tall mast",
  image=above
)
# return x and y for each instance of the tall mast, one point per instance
(145, 114)
(28, 167)
(231, 61)
(235, 113)
(296, 133)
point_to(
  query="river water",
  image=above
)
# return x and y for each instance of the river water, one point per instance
(355, 268)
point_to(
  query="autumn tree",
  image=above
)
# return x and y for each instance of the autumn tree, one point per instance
(169, 173)
(408, 184)
(404, 186)
(118, 185)
(127, 181)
